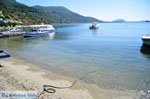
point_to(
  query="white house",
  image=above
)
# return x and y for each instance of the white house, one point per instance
(1, 19)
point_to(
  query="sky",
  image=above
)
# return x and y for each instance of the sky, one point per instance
(108, 10)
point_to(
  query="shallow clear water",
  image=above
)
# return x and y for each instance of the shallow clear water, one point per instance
(113, 49)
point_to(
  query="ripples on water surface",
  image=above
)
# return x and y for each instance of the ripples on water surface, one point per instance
(114, 49)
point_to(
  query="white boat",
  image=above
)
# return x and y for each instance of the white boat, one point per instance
(11, 32)
(14, 30)
(95, 25)
(146, 39)
(43, 31)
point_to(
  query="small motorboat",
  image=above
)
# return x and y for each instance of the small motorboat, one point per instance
(13, 30)
(43, 31)
(95, 25)
(146, 40)
(4, 54)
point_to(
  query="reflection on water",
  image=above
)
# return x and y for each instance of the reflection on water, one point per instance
(65, 25)
(145, 50)
(19, 42)
(51, 36)
(95, 32)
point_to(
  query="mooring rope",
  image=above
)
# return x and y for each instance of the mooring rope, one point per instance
(52, 89)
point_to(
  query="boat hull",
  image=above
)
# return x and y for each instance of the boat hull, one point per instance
(93, 27)
(30, 34)
(5, 54)
(146, 41)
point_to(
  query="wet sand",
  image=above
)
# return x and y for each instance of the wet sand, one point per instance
(17, 75)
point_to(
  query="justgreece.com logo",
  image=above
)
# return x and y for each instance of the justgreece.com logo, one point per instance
(18, 94)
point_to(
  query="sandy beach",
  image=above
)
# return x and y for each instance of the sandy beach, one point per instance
(74, 49)
(17, 75)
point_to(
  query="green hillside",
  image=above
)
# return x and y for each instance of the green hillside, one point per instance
(38, 14)
(28, 15)
(63, 13)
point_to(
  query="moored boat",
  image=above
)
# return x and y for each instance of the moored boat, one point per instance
(11, 32)
(146, 40)
(95, 25)
(14, 30)
(43, 31)
(4, 54)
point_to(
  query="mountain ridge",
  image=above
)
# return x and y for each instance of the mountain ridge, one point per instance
(66, 14)
(39, 14)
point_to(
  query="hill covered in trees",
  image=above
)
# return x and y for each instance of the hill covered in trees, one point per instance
(63, 14)
(38, 14)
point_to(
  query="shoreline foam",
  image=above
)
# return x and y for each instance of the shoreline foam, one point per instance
(25, 76)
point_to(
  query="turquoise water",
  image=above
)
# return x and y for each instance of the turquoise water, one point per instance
(113, 49)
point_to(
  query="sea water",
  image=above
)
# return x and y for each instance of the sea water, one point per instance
(114, 50)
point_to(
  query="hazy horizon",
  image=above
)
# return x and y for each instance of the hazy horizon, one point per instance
(107, 10)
